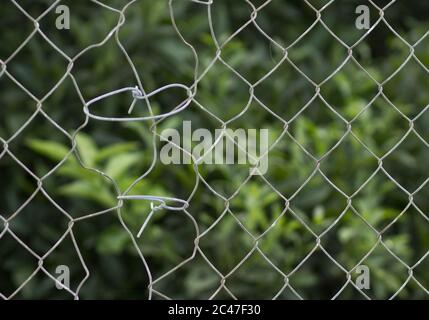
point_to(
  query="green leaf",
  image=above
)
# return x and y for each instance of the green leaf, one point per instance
(112, 241)
(119, 164)
(50, 149)
(319, 215)
(87, 149)
(76, 171)
(112, 150)
(87, 190)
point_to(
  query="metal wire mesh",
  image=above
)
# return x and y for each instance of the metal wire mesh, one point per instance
(181, 206)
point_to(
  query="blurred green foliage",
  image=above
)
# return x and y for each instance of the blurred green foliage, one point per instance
(124, 151)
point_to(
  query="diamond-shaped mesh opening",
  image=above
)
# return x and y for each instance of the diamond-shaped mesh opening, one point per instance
(318, 203)
(215, 243)
(245, 51)
(40, 138)
(66, 254)
(349, 152)
(408, 155)
(247, 275)
(288, 166)
(285, 91)
(225, 92)
(40, 61)
(288, 233)
(94, 22)
(370, 127)
(402, 93)
(316, 54)
(400, 241)
(200, 281)
(175, 249)
(70, 118)
(347, 12)
(349, 239)
(13, 100)
(369, 52)
(89, 69)
(257, 206)
(32, 222)
(18, 267)
(421, 129)
(350, 90)
(411, 28)
(384, 267)
(10, 17)
(318, 267)
(318, 129)
(14, 177)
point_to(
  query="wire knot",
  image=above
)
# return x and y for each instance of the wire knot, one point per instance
(153, 210)
(137, 94)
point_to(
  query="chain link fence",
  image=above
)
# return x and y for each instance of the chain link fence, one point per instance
(346, 184)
